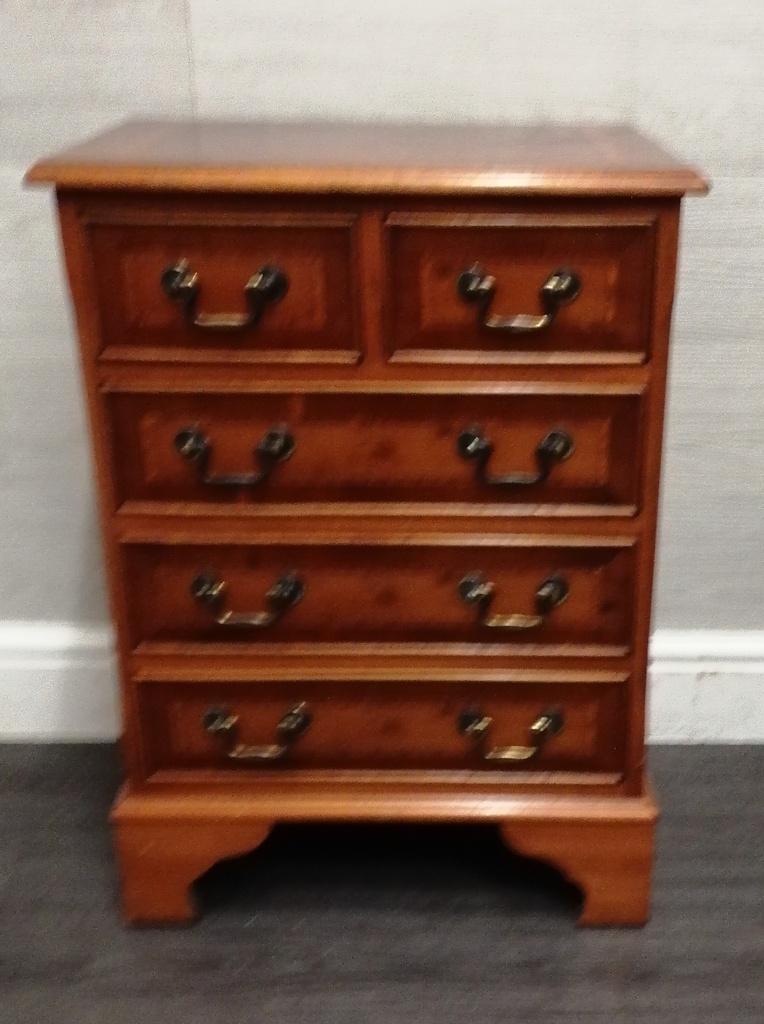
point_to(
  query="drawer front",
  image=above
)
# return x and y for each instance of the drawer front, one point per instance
(199, 287)
(601, 313)
(478, 726)
(386, 593)
(541, 448)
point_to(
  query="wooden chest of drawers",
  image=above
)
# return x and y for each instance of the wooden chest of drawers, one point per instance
(377, 419)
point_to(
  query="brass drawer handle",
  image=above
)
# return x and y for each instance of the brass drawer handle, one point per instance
(181, 284)
(473, 724)
(218, 721)
(475, 286)
(477, 591)
(276, 445)
(209, 592)
(474, 446)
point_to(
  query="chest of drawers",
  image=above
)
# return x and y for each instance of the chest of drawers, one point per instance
(377, 415)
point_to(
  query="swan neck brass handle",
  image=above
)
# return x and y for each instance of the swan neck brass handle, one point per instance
(475, 286)
(181, 284)
(276, 445)
(474, 446)
(219, 722)
(476, 726)
(210, 593)
(476, 591)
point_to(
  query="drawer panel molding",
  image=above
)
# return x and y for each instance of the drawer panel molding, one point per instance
(274, 283)
(551, 449)
(382, 593)
(578, 288)
(473, 726)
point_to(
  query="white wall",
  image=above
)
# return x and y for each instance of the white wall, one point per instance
(691, 72)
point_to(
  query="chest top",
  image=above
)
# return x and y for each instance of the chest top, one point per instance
(498, 160)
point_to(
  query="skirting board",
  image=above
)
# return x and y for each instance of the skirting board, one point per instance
(57, 684)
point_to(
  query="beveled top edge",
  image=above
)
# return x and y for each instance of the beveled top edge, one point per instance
(356, 158)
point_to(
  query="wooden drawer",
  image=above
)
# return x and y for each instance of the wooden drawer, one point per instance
(235, 726)
(567, 594)
(220, 306)
(582, 448)
(436, 315)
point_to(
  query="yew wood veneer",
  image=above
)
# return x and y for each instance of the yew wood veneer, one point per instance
(377, 416)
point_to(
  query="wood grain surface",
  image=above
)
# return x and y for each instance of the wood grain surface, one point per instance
(499, 159)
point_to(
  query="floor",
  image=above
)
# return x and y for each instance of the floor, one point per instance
(358, 926)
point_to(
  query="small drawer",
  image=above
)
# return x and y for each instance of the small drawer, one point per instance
(571, 595)
(498, 727)
(478, 288)
(525, 450)
(226, 285)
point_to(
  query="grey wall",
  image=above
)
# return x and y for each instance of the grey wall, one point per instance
(691, 72)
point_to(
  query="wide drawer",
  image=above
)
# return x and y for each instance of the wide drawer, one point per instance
(476, 288)
(511, 591)
(496, 727)
(226, 285)
(549, 449)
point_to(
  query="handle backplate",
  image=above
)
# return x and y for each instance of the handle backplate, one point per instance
(210, 592)
(473, 446)
(476, 287)
(476, 726)
(218, 721)
(276, 445)
(476, 591)
(266, 287)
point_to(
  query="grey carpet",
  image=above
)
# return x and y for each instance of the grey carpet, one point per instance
(355, 925)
